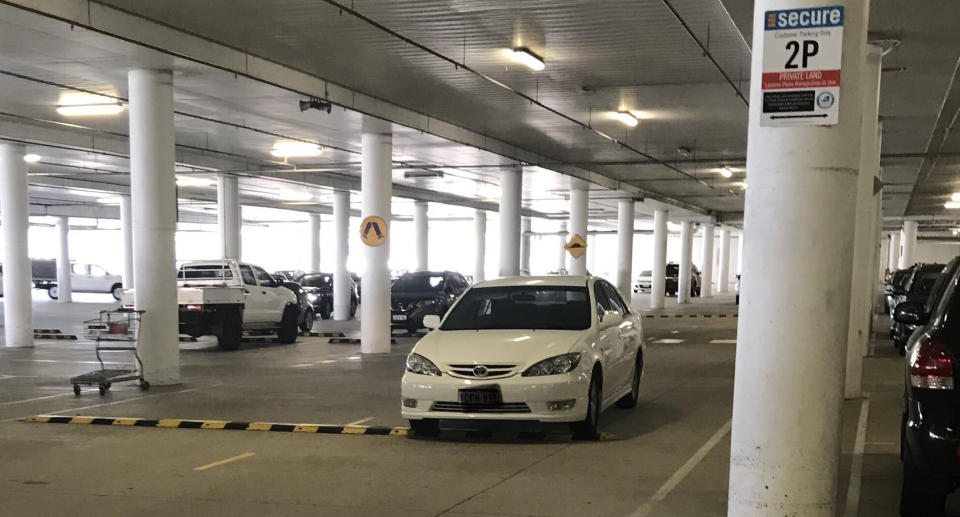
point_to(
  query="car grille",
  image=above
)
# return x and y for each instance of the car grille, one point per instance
(492, 370)
(400, 306)
(505, 407)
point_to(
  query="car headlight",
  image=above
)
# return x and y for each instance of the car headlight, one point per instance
(555, 365)
(312, 297)
(417, 363)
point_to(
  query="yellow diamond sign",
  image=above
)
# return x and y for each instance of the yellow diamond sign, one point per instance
(577, 246)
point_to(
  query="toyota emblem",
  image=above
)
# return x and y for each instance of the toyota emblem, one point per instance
(480, 370)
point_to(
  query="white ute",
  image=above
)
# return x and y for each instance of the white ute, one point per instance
(224, 298)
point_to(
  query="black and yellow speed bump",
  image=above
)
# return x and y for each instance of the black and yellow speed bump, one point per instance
(47, 331)
(321, 334)
(69, 337)
(176, 423)
(691, 315)
(351, 341)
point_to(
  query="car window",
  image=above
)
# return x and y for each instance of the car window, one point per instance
(615, 299)
(264, 278)
(646, 272)
(938, 289)
(603, 301)
(78, 269)
(247, 273)
(322, 281)
(419, 282)
(97, 271)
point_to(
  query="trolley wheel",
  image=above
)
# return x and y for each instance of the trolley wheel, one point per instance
(144, 385)
(76, 389)
(103, 388)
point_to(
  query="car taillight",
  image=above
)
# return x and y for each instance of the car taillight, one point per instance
(931, 367)
(192, 307)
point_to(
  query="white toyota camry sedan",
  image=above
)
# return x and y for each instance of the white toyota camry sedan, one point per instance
(548, 349)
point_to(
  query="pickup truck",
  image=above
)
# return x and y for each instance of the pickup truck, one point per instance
(224, 298)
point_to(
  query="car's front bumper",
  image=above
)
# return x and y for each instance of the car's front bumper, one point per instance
(535, 392)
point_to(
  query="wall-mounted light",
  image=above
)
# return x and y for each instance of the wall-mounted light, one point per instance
(528, 58)
(31, 158)
(88, 104)
(295, 149)
(626, 118)
(726, 171)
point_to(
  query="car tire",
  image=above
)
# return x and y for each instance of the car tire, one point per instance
(629, 401)
(53, 292)
(917, 497)
(353, 308)
(116, 290)
(326, 310)
(288, 326)
(589, 427)
(427, 427)
(308, 319)
(231, 330)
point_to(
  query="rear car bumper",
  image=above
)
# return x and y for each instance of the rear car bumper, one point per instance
(524, 398)
(933, 447)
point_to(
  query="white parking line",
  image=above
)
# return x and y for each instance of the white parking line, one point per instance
(856, 463)
(670, 341)
(682, 472)
(723, 341)
(361, 421)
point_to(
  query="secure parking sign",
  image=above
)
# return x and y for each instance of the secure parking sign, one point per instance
(802, 49)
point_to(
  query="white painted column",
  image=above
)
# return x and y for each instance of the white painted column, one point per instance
(126, 231)
(861, 278)
(686, 270)
(658, 283)
(341, 250)
(562, 264)
(723, 275)
(706, 270)
(908, 244)
(525, 229)
(421, 226)
(314, 243)
(785, 440)
(154, 198)
(579, 200)
(376, 190)
(625, 216)
(739, 254)
(64, 282)
(17, 271)
(511, 188)
(893, 262)
(480, 245)
(228, 216)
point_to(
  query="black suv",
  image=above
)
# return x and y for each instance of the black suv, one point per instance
(672, 280)
(319, 288)
(415, 295)
(930, 438)
(917, 288)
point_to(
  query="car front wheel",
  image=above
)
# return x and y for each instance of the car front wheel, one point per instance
(308, 318)
(589, 427)
(288, 325)
(116, 290)
(629, 400)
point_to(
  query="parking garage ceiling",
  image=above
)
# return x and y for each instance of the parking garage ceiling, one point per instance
(679, 65)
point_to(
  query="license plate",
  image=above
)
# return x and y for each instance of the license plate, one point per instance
(399, 317)
(484, 397)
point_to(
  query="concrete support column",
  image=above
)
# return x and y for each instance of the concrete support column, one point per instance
(64, 282)
(228, 216)
(785, 441)
(908, 244)
(893, 261)
(579, 199)
(480, 246)
(341, 250)
(625, 216)
(14, 223)
(723, 275)
(658, 283)
(686, 270)
(511, 188)
(314, 242)
(153, 194)
(126, 231)
(562, 263)
(421, 234)
(706, 270)
(525, 229)
(376, 190)
(861, 279)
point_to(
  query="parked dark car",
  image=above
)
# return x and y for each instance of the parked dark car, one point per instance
(671, 282)
(414, 295)
(288, 275)
(916, 289)
(307, 315)
(895, 287)
(319, 288)
(930, 434)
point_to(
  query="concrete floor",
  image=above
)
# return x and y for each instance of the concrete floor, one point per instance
(669, 456)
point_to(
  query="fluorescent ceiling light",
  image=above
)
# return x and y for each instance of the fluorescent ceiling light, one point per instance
(84, 104)
(952, 205)
(626, 118)
(725, 171)
(742, 184)
(294, 195)
(955, 196)
(529, 58)
(109, 200)
(193, 181)
(31, 158)
(294, 149)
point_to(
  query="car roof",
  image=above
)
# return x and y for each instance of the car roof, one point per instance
(566, 280)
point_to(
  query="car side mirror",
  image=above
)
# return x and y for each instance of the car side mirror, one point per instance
(431, 321)
(911, 313)
(610, 319)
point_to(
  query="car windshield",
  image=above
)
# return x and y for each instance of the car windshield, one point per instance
(419, 282)
(924, 283)
(673, 269)
(521, 307)
(317, 281)
(646, 272)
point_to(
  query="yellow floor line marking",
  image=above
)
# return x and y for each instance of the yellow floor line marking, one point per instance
(225, 461)
(361, 421)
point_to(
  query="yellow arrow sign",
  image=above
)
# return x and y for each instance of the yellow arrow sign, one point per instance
(373, 231)
(577, 246)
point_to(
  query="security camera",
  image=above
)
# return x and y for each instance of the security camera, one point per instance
(317, 104)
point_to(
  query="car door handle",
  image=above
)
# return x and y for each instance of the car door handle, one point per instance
(246, 291)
